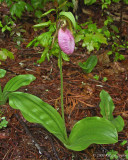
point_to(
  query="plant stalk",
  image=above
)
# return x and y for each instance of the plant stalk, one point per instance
(61, 79)
(62, 104)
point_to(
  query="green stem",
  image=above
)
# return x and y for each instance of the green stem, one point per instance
(61, 79)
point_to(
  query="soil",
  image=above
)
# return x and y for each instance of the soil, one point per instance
(22, 140)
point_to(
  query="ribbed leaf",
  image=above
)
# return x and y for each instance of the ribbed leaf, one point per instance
(18, 81)
(106, 105)
(118, 123)
(36, 111)
(89, 65)
(92, 130)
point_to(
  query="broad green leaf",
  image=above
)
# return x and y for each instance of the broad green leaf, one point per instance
(106, 105)
(41, 25)
(89, 64)
(36, 111)
(118, 122)
(46, 13)
(18, 81)
(2, 73)
(92, 130)
(70, 16)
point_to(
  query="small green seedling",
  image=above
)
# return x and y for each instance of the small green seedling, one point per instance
(112, 154)
(105, 79)
(3, 122)
(123, 143)
(96, 77)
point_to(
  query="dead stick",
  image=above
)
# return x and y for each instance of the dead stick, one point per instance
(41, 150)
(53, 148)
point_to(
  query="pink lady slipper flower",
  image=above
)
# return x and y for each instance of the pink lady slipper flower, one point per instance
(66, 41)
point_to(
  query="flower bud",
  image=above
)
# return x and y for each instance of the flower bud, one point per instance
(66, 41)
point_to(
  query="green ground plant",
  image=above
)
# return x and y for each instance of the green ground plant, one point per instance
(112, 34)
(3, 122)
(90, 35)
(4, 54)
(112, 154)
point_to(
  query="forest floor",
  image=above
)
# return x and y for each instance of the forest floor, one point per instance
(81, 99)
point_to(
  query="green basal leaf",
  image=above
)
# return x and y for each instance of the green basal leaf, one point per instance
(106, 105)
(118, 123)
(46, 13)
(2, 73)
(41, 25)
(89, 64)
(70, 16)
(18, 81)
(36, 111)
(92, 130)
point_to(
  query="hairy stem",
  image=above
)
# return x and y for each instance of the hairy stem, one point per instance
(61, 79)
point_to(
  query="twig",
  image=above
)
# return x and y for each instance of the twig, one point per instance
(53, 148)
(41, 150)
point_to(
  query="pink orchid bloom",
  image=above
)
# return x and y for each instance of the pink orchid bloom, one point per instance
(66, 41)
